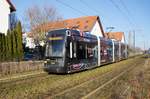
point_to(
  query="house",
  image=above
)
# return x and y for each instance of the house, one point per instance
(7, 16)
(89, 24)
(28, 40)
(118, 36)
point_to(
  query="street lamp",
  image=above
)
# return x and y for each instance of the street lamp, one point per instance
(110, 29)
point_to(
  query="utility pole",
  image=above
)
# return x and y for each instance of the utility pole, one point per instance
(129, 42)
(134, 42)
(144, 45)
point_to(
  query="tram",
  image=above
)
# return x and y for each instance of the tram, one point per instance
(70, 51)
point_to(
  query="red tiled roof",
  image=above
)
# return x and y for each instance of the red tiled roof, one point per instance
(83, 24)
(12, 7)
(115, 35)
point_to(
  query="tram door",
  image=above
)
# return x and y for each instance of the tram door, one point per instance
(80, 52)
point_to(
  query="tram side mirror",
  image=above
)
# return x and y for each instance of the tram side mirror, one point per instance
(68, 33)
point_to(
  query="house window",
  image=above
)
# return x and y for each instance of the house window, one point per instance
(12, 20)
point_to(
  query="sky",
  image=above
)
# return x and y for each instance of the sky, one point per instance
(127, 16)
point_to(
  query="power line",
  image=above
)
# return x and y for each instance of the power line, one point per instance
(128, 12)
(86, 4)
(67, 5)
(119, 9)
(94, 10)
(125, 7)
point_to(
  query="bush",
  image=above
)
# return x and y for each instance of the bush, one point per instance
(11, 44)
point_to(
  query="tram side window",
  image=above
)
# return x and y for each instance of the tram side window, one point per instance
(91, 51)
(68, 50)
(86, 51)
(71, 50)
(81, 51)
(78, 50)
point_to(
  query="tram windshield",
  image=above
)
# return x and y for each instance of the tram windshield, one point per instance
(55, 44)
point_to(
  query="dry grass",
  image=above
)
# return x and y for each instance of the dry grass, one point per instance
(50, 85)
(133, 85)
(85, 89)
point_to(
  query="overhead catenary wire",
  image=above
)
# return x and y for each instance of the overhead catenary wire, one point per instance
(67, 5)
(128, 12)
(98, 12)
(120, 10)
(125, 7)
(92, 8)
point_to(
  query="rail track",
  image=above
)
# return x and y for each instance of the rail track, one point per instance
(114, 80)
(85, 88)
(103, 82)
(108, 82)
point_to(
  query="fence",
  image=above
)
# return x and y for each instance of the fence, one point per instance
(7, 68)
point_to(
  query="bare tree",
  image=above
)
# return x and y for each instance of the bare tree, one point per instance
(38, 17)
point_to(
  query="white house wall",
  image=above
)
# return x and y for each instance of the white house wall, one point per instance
(4, 16)
(123, 39)
(96, 30)
(30, 42)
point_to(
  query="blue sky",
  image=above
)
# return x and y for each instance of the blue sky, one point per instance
(134, 16)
